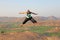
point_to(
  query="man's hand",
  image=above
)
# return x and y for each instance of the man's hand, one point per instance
(23, 13)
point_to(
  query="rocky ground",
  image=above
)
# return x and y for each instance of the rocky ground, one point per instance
(25, 36)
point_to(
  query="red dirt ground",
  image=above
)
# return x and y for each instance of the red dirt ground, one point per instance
(22, 36)
(25, 36)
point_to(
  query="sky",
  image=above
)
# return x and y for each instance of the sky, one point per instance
(11, 8)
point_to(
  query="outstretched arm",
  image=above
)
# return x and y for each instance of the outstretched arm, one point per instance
(22, 12)
(34, 13)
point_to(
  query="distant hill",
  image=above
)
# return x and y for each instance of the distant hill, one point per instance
(10, 19)
(41, 18)
(52, 18)
(20, 19)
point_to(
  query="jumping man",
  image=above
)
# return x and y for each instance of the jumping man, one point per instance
(28, 17)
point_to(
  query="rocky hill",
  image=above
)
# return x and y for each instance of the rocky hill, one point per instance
(22, 36)
(26, 36)
(19, 19)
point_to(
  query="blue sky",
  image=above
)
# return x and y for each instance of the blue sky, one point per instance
(11, 8)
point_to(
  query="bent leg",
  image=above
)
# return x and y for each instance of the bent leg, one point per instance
(25, 20)
(34, 21)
